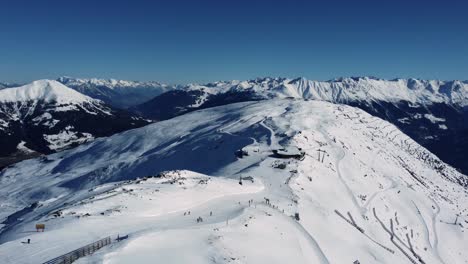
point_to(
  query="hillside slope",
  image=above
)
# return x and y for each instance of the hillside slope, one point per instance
(274, 181)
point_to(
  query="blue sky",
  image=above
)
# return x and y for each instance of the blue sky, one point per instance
(199, 41)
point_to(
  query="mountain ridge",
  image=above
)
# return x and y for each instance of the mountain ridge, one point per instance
(423, 91)
(353, 89)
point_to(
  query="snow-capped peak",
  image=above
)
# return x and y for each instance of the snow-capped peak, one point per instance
(43, 90)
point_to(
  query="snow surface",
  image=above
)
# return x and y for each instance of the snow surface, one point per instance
(22, 147)
(66, 138)
(3, 124)
(45, 119)
(373, 194)
(434, 119)
(444, 127)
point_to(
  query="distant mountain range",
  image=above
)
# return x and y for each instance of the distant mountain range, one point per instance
(365, 91)
(118, 93)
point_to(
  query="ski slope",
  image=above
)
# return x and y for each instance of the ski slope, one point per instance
(373, 195)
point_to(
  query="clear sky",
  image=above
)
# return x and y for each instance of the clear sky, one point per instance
(197, 41)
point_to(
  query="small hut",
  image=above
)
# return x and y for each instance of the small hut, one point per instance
(289, 153)
(40, 227)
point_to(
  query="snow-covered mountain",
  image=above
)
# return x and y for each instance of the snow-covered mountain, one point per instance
(365, 89)
(347, 90)
(434, 113)
(274, 181)
(45, 116)
(118, 93)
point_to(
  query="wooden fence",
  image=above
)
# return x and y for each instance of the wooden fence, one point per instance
(81, 252)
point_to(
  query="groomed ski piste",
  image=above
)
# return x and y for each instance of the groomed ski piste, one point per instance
(359, 190)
